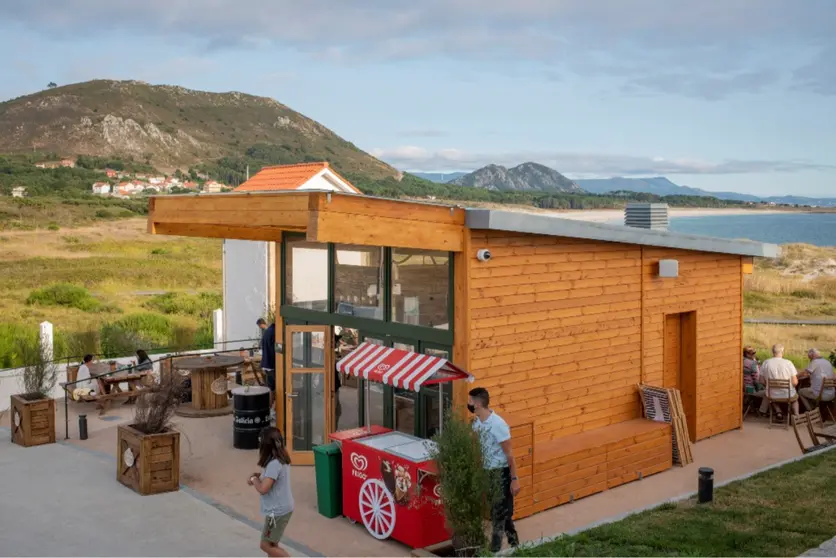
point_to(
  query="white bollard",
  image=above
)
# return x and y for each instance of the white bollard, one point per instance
(218, 328)
(47, 341)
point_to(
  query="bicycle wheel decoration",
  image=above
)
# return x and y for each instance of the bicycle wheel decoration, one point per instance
(377, 508)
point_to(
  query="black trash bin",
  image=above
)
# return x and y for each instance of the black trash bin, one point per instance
(250, 413)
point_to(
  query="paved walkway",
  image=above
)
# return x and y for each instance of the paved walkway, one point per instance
(60, 500)
(827, 548)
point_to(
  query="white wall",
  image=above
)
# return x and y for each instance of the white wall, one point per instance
(245, 289)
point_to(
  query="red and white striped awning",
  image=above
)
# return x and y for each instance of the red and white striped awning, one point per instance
(399, 368)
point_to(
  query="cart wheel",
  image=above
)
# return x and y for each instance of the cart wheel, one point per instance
(377, 509)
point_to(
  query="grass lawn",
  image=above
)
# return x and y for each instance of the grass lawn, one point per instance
(782, 512)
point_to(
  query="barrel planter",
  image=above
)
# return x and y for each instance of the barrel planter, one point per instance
(32, 421)
(250, 413)
(148, 463)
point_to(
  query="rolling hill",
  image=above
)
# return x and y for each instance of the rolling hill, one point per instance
(171, 127)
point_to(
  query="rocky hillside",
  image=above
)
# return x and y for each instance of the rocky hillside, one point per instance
(170, 127)
(527, 176)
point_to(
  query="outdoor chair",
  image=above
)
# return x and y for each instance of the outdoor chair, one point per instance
(827, 383)
(780, 386)
(818, 432)
(803, 428)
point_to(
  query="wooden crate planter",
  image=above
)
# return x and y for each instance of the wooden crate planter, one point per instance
(32, 421)
(148, 463)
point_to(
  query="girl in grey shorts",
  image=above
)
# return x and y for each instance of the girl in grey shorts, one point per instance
(273, 483)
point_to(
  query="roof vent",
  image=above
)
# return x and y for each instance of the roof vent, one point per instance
(647, 216)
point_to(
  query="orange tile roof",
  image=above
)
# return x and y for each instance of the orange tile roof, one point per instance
(286, 177)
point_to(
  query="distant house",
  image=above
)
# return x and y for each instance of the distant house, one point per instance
(18, 192)
(156, 179)
(101, 188)
(304, 176)
(189, 185)
(111, 173)
(213, 187)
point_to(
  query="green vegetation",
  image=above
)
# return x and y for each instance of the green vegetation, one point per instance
(56, 213)
(77, 280)
(64, 294)
(776, 513)
(197, 305)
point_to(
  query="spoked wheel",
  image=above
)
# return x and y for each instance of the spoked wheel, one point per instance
(377, 508)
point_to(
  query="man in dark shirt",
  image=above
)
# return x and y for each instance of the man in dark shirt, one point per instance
(268, 363)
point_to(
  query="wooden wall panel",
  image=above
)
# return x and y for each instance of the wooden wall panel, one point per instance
(556, 329)
(709, 285)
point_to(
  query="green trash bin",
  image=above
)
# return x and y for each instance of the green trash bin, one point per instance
(327, 466)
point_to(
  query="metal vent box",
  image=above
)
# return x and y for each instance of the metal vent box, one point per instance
(669, 268)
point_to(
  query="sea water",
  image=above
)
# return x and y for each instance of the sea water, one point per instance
(818, 229)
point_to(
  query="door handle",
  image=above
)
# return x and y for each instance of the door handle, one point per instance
(293, 395)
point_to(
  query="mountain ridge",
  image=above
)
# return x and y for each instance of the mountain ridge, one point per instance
(170, 126)
(526, 176)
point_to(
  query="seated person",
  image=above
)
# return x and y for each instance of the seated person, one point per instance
(778, 368)
(143, 362)
(818, 369)
(751, 371)
(85, 376)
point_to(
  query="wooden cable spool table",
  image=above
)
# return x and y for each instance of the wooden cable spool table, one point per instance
(204, 371)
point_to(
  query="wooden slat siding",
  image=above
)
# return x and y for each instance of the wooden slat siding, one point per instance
(462, 335)
(710, 285)
(671, 352)
(378, 222)
(547, 314)
(581, 465)
(523, 450)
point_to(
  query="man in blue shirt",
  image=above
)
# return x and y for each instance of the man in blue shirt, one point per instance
(268, 361)
(499, 460)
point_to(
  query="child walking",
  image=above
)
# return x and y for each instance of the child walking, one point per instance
(273, 483)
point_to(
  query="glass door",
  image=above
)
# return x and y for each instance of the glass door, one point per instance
(310, 389)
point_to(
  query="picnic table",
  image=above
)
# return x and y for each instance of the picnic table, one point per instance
(204, 370)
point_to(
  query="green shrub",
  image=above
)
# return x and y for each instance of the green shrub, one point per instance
(53, 227)
(160, 252)
(39, 373)
(200, 305)
(804, 293)
(66, 295)
(11, 336)
(135, 331)
(467, 489)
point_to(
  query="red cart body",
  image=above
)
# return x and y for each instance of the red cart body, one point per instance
(388, 487)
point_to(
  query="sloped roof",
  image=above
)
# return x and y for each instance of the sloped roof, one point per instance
(287, 177)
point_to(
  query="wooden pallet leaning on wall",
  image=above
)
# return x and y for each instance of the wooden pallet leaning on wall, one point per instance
(665, 405)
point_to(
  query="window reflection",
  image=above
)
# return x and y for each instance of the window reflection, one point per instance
(420, 287)
(306, 274)
(358, 281)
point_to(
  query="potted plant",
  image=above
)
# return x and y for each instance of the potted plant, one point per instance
(148, 458)
(33, 411)
(467, 489)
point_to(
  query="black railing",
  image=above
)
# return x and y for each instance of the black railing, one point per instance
(67, 360)
(134, 367)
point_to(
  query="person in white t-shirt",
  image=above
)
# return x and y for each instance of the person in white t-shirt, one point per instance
(84, 376)
(818, 369)
(779, 368)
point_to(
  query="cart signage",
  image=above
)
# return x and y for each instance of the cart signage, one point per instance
(359, 464)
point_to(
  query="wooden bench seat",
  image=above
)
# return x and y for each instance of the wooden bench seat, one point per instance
(590, 462)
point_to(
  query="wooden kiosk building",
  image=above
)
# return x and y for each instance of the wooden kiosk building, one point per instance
(559, 319)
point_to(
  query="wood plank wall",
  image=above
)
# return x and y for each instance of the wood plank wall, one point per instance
(710, 285)
(557, 331)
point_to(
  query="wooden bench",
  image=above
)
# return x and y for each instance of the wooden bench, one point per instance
(108, 387)
(583, 464)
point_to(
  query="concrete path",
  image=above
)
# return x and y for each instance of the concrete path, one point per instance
(60, 500)
(827, 548)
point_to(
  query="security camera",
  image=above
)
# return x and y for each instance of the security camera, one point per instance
(483, 255)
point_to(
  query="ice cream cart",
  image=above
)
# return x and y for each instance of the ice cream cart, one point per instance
(389, 481)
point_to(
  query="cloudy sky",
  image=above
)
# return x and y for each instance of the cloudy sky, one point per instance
(719, 94)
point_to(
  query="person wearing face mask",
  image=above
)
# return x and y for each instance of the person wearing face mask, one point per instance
(499, 461)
